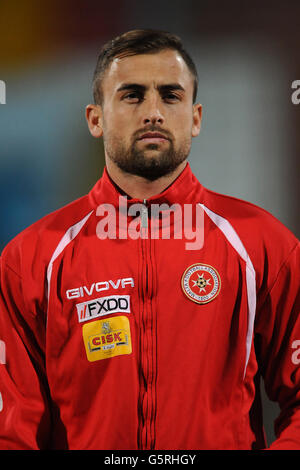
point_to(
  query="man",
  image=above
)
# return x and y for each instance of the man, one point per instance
(117, 336)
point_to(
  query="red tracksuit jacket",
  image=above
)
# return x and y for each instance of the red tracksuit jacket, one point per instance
(141, 343)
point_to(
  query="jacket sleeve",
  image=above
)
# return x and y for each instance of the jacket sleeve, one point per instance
(279, 330)
(24, 411)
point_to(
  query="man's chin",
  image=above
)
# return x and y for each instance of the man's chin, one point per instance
(150, 163)
(152, 169)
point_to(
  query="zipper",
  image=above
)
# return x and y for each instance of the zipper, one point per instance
(147, 396)
(144, 217)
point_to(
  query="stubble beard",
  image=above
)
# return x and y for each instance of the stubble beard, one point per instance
(149, 162)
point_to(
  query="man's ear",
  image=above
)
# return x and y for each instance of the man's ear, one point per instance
(197, 119)
(93, 114)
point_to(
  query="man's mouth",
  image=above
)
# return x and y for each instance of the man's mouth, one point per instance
(153, 137)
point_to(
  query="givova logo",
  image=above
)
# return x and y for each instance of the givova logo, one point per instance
(103, 306)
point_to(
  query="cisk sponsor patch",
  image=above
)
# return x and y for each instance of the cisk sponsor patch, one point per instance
(103, 306)
(107, 338)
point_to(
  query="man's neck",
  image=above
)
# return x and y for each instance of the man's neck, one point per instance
(138, 187)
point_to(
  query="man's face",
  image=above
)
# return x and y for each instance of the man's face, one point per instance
(147, 115)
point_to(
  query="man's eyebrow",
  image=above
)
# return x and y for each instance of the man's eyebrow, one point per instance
(142, 88)
(171, 86)
(131, 86)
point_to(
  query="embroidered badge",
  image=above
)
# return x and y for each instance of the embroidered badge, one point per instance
(107, 338)
(201, 283)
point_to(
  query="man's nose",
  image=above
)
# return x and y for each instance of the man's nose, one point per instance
(152, 113)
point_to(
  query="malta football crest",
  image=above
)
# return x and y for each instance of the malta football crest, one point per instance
(201, 283)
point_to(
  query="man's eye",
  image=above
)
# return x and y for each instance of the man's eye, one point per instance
(133, 96)
(171, 97)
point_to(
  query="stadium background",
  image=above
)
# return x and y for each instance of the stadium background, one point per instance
(247, 54)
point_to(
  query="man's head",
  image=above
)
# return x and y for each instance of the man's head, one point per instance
(145, 83)
(136, 42)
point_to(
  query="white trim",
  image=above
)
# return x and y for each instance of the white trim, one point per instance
(237, 244)
(2, 352)
(69, 235)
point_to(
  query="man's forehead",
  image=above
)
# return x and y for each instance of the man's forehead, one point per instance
(165, 66)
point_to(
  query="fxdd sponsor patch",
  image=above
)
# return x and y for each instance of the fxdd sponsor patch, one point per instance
(107, 338)
(103, 306)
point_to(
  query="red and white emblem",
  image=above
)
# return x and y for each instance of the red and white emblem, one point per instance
(201, 283)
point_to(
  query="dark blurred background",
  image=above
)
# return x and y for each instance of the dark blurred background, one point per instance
(247, 54)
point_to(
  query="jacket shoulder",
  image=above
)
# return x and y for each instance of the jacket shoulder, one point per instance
(267, 241)
(248, 218)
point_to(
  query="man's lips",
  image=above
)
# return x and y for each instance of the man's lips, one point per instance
(153, 137)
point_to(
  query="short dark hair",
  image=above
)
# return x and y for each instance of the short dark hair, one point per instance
(139, 41)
